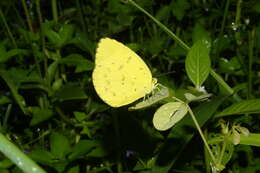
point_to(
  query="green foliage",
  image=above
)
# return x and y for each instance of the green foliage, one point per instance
(243, 107)
(204, 54)
(197, 63)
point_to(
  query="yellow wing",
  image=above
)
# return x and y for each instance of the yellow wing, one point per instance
(120, 76)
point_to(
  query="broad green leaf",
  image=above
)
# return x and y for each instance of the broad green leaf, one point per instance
(181, 135)
(243, 107)
(197, 63)
(39, 115)
(168, 115)
(59, 145)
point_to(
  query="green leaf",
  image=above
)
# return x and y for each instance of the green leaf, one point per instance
(40, 115)
(69, 91)
(80, 115)
(52, 69)
(163, 13)
(99, 151)
(256, 7)
(4, 100)
(197, 63)
(83, 41)
(74, 169)
(179, 8)
(200, 32)
(12, 53)
(228, 153)
(191, 98)
(81, 63)
(230, 66)
(180, 135)
(54, 37)
(66, 32)
(243, 107)
(168, 115)
(3, 170)
(42, 156)
(59, 145)
(82, 148)
(6, 163)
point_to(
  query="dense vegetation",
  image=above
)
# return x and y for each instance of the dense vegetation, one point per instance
(51, 113)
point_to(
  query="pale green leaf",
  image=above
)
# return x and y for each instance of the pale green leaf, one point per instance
(168, 115)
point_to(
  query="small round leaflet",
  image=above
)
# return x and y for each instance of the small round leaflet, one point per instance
(120, 76)
(168, 115)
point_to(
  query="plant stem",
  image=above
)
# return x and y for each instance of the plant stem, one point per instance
(199, 129)
(201, 134)
(251, 39)
(223, 149)
(224, 17)
(54, 10)
(118, 141)
(24, 162)
(7, 28)
(206, 155)
(6, 117)
(39, 14)
(28, 18)
(81, 15)
(220, 80)
(237, 21)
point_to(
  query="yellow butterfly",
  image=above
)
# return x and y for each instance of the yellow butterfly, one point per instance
(120, 76)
